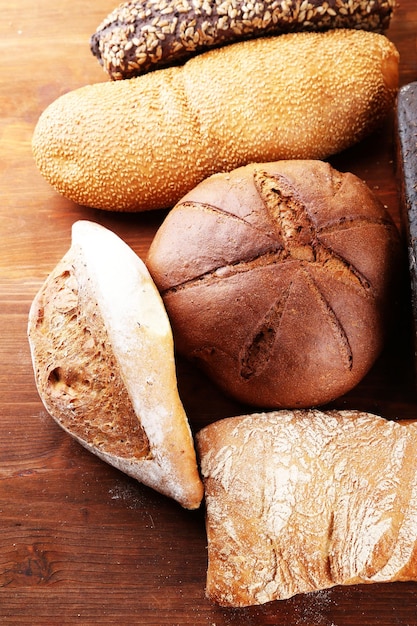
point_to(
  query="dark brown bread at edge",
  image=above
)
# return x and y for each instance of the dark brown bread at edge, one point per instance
(406, 163)
(276, 278)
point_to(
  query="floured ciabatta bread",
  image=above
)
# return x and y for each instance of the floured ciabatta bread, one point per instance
(299, 501)
(276, 278)
(104, 365)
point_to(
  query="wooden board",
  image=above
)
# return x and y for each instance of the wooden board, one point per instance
(80, 543)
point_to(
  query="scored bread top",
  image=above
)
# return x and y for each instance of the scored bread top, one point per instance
(276, 278)
(103, 357)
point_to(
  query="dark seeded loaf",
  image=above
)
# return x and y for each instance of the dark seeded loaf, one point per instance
(140, 36)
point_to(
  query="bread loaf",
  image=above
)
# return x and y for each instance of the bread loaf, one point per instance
(276, 278)
(406, 165)
(143, 143)
(332, 501)
(140, 36)
(103, 359)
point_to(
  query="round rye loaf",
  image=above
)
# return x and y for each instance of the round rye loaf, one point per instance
(276, 279)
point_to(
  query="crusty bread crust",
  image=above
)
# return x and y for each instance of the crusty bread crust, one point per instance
(143, 143)
(276, 278)
(143, 35)
(299, 501)
(104, 365)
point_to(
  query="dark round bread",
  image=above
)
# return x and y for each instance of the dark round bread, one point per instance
(276, 279)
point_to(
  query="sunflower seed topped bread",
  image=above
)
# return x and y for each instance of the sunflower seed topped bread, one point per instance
(333, 501)
(140, 36)
(104, 366)
(276, 278)
(143, 143)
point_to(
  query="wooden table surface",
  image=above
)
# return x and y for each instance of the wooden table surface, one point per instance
(81, 543)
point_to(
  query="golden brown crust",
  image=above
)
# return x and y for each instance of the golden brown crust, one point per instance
(139, 36)
(304, 500)
(104, 365)
(143, 143)
(276, 278)
(79, 377)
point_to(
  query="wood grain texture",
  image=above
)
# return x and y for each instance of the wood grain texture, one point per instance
(80, 543)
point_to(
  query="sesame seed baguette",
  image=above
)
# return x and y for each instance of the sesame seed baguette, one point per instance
(140, 36)
(103, 359)
(143, 143)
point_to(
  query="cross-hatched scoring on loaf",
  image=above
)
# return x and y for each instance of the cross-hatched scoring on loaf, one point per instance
(296, 241)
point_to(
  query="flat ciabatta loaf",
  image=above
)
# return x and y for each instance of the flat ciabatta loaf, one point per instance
(302, 501)
(141, 144)
(144, 35)
(104, 365)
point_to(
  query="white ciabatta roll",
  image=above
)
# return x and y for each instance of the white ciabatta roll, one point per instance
(104, 365)
(142, 143)
(302, 501)
(142, 35)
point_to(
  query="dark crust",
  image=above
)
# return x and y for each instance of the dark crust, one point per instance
(294, 237)
(314, 296)
(298, 243)
(406, 163)
(138, 37)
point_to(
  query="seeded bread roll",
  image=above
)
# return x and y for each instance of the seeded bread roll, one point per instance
(104, 366)
(276, 278)
(143, 143)
(141, 36)
(332, 501)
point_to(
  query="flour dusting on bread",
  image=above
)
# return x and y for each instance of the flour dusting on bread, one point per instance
(299, 501)
(104, 365)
